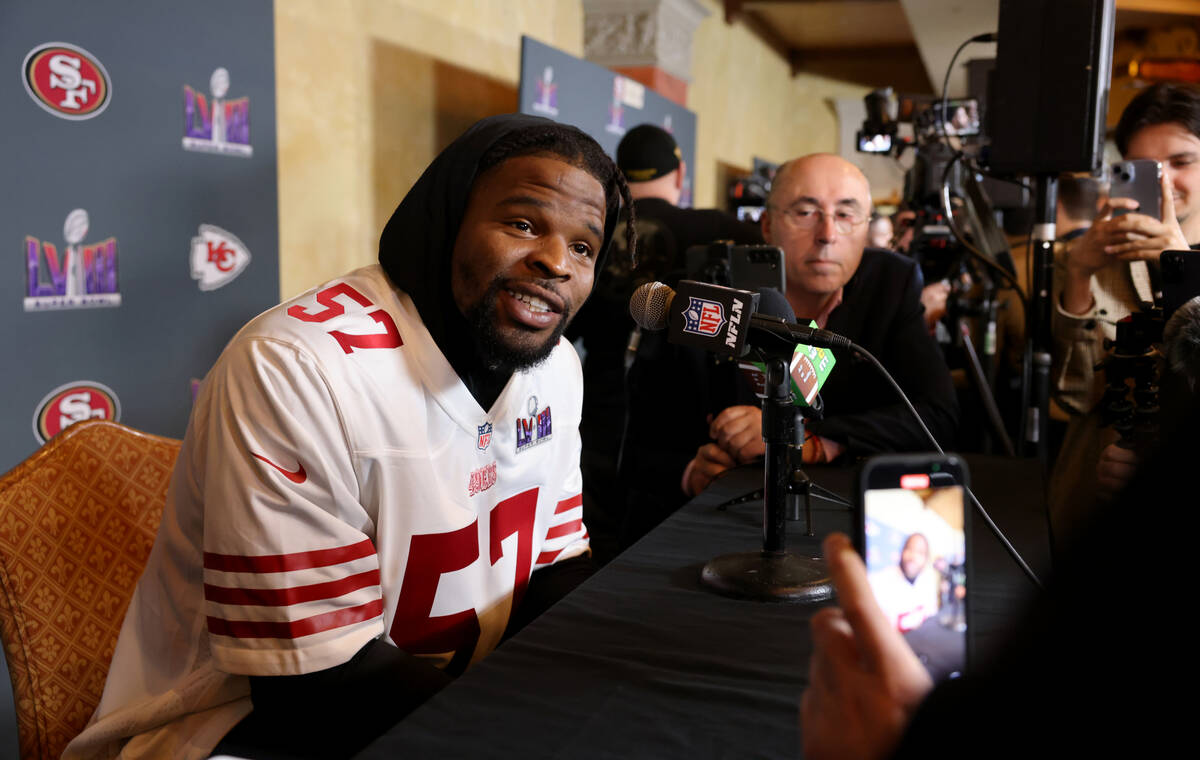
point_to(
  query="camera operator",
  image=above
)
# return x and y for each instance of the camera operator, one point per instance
(934, 295)
(1109, 270)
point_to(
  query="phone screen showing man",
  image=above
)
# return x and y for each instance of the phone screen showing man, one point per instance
(916, 563)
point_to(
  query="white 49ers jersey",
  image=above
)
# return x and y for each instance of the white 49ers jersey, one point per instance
(339, 483)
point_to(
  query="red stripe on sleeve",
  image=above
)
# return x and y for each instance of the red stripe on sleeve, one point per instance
(281, 597)
(567, 504)
(565, 529)
(280, 563)
(545, 558)
(294, 629)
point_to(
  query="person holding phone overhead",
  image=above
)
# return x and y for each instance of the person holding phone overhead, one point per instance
(1108, 271)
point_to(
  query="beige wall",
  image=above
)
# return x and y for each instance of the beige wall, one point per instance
(368, 91)
(748, 104)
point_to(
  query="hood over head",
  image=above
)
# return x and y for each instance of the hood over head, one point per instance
(418, 240)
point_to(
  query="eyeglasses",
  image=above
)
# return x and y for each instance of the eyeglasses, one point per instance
(806, 217)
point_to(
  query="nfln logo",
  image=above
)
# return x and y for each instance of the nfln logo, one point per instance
(217, 257)
(71, 403)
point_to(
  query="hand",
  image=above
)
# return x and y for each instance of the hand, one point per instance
(1086, 256)
(710, 461)
(1147, 237)
(864, 681)
(933, 298)
(738, 430)
(1112, 238)
(1115, 469)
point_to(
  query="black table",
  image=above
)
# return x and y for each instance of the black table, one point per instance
(641, 662)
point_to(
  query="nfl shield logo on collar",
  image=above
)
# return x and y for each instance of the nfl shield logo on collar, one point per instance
(485, 436)
(703, 317)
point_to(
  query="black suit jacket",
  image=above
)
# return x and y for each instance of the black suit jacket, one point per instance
(674, 389)
(881, 311)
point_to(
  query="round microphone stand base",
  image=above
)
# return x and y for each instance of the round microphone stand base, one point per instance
(768, 576)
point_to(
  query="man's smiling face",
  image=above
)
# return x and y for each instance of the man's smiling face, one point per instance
(1179, 151)
(525, 256)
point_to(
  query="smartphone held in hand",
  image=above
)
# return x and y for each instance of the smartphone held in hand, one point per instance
(1140, 180)
(911, 530)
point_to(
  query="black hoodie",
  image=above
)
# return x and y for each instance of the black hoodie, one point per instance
(418, 241)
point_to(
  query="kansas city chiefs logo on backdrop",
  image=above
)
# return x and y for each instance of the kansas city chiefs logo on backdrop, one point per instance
(71, 403)
(217, 257)
(66, 80)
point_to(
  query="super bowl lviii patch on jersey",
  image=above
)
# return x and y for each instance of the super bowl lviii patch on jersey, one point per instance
(535, 428)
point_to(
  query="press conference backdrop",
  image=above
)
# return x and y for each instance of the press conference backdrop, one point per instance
(138, 219)
(602, 103)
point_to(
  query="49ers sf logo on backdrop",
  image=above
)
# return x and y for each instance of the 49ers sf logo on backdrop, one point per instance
(66, 80)
(71, 403)
(217, 257)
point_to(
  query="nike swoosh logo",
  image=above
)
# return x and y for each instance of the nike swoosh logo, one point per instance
(299, 476)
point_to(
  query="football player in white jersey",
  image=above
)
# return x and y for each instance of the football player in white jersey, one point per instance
(381, 476)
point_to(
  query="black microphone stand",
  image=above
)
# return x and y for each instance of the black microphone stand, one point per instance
(1038, 344)
(773, 574)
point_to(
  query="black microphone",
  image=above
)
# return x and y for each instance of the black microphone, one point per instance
(720, 319)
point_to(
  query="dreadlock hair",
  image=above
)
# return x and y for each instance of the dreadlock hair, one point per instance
(577, 149)
(1164, 103)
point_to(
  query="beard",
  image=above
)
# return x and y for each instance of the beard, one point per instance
(497, 351)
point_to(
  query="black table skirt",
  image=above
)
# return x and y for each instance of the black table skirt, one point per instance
(641, 662)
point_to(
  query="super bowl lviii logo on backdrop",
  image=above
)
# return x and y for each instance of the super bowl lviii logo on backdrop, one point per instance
(71, 403)
(217, 257)
(66, 80)
(218, 126)
(83, 276)
(547, 93)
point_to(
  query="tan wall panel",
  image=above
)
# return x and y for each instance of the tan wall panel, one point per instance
(369, 91)
(748, 104)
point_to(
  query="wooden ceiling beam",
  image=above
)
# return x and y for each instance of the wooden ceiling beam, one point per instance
(1178, 7)
(858, 53)
(750, 4)
(734, 11)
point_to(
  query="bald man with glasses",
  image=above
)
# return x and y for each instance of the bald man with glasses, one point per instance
(817, 213)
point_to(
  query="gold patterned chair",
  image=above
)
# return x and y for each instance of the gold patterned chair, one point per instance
(77, 520)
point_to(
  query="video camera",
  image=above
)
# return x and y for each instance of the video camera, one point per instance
(745, 267)
(928, 118)
(924, 123)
